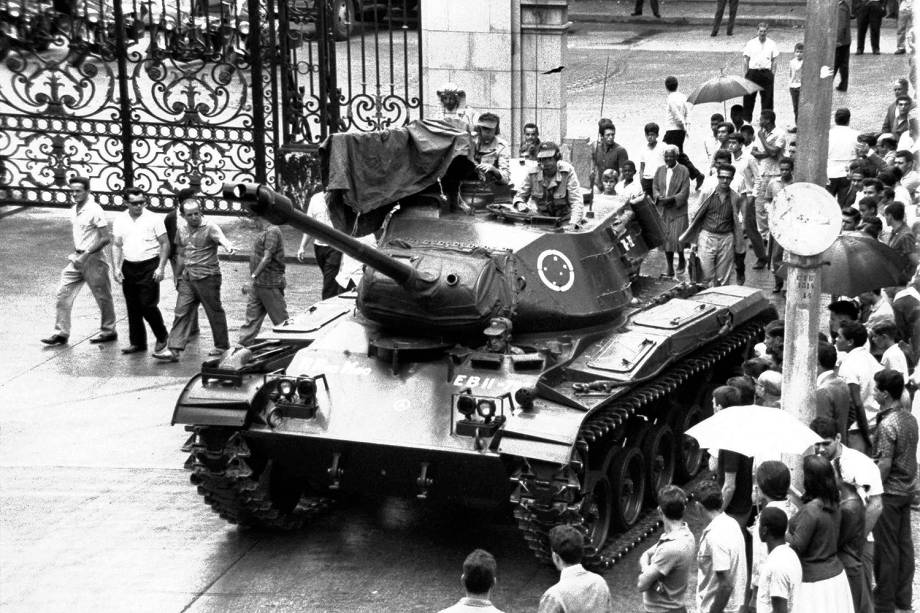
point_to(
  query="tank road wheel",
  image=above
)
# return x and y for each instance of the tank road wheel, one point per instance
(661, 459)
(627, 480)
(689, 454)
(596, 515)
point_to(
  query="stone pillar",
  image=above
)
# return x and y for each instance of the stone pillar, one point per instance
(497, 50)
(544, 40)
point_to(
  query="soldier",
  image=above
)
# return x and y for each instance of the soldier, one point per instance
(552, 189)
(498, 337)
(491, 152)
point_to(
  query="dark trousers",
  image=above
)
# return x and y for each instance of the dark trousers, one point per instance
(894, 555)
(869, 18)
(262, 301)
(720, 10)
(329, 260)
(842, 65)
(794, 94)
(651, 3)
(646, 186)
(142, 295)
(676, 138)
(205, 292)
(764, 78)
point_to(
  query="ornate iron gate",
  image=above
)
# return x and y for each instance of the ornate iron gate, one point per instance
(167, 94)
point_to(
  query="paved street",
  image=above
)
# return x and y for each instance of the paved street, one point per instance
(96, 512)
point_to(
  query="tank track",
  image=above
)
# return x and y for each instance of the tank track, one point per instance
(536, 514)
(238, 487)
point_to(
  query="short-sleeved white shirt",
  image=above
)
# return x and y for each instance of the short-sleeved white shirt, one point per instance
(653, 159)
(677, 112)
(859, 470)
(721, 549)
(87, 224)
(139, 237)
(780, 576)
(860, 367)
(760, 54)
(318, 209)
(894, 359)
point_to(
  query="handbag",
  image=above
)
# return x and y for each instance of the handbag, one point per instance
(694, 268)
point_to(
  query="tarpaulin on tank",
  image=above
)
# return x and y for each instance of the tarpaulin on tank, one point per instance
(375, 169)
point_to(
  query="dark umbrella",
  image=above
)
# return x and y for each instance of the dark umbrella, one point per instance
(857, 263)
(722, 88)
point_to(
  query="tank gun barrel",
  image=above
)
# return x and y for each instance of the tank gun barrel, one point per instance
(278, 209)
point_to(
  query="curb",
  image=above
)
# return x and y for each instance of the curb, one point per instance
(789, 22)
(239, 256)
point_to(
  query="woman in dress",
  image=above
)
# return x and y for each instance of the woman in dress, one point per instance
(813, 535)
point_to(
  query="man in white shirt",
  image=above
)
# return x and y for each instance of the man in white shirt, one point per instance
(676, 126)
(478, 579)
(140, 252)
(87, 264)
(781, 573)
(578, 590)
(858, 369)
(712, 143)
(883, 337)
(721, 563)
(328, 259)
(759, 65)
(841, 150)
(651, 158)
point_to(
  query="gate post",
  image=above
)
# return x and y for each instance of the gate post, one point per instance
(498, 51)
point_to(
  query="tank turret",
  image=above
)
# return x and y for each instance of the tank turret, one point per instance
(448, 273)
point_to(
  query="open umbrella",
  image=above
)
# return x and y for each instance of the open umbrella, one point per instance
(722, 88)
(754, 430)
(857, 263)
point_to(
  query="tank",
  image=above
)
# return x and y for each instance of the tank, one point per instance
(486, 357)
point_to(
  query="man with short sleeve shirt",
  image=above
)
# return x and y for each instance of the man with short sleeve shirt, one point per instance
(140, 252)
(759, 65)
(198, 281)
(722, 569)
(895, 453)
(841, 150)
(266, 290)
(87, 265)
(857, 369)
(665, 567)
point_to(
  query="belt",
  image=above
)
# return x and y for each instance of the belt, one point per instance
(761, 69)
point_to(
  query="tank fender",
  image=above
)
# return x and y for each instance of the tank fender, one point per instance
(217, 403)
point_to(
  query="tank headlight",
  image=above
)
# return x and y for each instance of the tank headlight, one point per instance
(486, 409)
(466, 405)
(306, 389)
(286, 388)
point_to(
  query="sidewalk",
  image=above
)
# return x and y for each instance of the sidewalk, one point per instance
(779, 13)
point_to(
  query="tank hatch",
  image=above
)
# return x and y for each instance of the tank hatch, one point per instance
(673, 314)
(623, 352)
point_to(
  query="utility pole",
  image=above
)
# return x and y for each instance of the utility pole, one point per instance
(803, 262)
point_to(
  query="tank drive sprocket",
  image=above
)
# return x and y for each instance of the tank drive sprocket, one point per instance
(244, 488)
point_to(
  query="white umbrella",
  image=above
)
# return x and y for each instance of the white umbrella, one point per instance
(754, 430)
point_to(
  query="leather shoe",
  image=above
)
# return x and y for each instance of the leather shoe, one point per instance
(104, 338)
(55, 339)
(778, 286)
(760, 265)
(166, 356)
(899, 52)
(160, 346)
(635, 14)
(216, 352)
(133, 349)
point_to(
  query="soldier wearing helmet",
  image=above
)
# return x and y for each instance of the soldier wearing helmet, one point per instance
(552, 188)
(490, 151)
(498, 337)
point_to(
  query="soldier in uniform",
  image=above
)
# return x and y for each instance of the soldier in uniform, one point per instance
(491, 152)
(552, 189)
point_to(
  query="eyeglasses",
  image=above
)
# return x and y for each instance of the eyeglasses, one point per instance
(137, 202)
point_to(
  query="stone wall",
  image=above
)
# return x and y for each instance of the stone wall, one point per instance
(497, 51)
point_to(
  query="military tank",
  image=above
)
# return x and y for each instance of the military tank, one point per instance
(485, 357)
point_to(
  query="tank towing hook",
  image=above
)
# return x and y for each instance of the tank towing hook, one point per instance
(423, 482)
